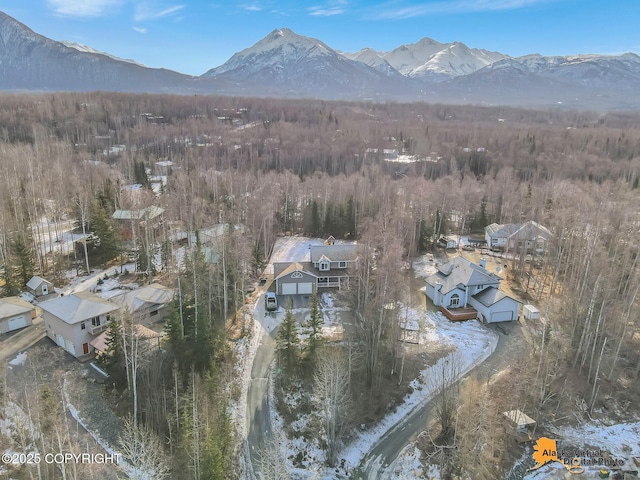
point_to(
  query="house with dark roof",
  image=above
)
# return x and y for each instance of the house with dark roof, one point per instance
(464, 290)
(516, 237)
(73, 321)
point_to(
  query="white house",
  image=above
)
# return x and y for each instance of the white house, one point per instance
(461, 284)
(15, 313)
(73, 321)
(514, 237)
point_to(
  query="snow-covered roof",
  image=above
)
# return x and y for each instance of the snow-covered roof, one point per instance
(528, 230)
(78, 307)
(141, 332)
(520, 418)
(11, 306)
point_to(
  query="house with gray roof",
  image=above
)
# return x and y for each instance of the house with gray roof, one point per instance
(72, 321)
(15, 313)
(461, 286)
(323, 266)
(147, 304)
(39, 287)
(516, 237)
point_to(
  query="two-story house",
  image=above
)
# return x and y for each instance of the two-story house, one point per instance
(530, 237)
(464, 290)
(326, 266)
(72, 321)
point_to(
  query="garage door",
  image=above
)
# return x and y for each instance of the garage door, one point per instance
(71, 348)
(61, 341)
(289, 289)
(305, 288)
(17, 322)
(502, 316)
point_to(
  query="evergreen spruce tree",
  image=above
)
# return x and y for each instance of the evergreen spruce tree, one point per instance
(287, 340)
(113, 360)
(313, 327)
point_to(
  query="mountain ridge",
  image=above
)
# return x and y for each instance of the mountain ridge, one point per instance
(284, 63)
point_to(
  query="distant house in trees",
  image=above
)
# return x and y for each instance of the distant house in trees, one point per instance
(530, 237)
(15, 313)
(73, 321)
(132, 222)
(39, 287)
(323, 266)
(147, 304)
(464, 290)
(210, 239)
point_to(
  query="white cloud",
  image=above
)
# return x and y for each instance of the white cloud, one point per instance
(336, 7)
(252, 8)
(457, 6)
(325, 12)
(140, 29)
(145, 11)
(83, 8)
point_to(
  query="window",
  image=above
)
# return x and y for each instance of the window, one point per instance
(455, 300)
(83, 326)
(153, 313)
(95, 321)
(324, 266)
(342, 264)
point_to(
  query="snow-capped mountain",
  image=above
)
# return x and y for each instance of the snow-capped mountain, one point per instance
(29, 61)
(285, 63)
(429, 60)
(285, 60)
(88, 49)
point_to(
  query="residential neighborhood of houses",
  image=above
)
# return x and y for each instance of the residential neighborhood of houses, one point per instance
(76, 322)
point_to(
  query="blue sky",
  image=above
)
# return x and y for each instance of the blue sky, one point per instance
(192, 36)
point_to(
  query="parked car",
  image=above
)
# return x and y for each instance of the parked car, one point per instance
(270, 302)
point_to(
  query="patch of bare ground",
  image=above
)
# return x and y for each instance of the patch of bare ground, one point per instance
(48, 368)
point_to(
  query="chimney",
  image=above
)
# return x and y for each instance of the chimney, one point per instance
(483, 263)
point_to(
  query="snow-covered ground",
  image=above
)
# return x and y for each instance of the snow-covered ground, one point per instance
(19, 360)
(471, 343)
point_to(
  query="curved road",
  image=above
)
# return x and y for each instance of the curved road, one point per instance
(511, 343)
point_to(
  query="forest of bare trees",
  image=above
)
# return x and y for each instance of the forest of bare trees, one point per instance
(317, 168)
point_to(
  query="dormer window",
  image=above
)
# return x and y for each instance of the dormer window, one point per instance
(342, 264)
(324, 266)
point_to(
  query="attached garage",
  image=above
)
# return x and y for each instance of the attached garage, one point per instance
(295, 280)
(495, 306)
(15, 313)
(505, 316)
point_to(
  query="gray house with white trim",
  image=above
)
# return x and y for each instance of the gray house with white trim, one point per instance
(295, 279)
(74, 320)
(461, 284)
(516, 237)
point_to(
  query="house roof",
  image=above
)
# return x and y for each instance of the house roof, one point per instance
(78, 307)
(520, 418)
(36, 281)
(148, 213)
(142, 332)
(295, 267)
(491, 296)
(461, 271)
(527, 230)
(154, 294)
(335, 253)
(11, 306)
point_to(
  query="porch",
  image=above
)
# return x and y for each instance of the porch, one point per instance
(459, 314)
